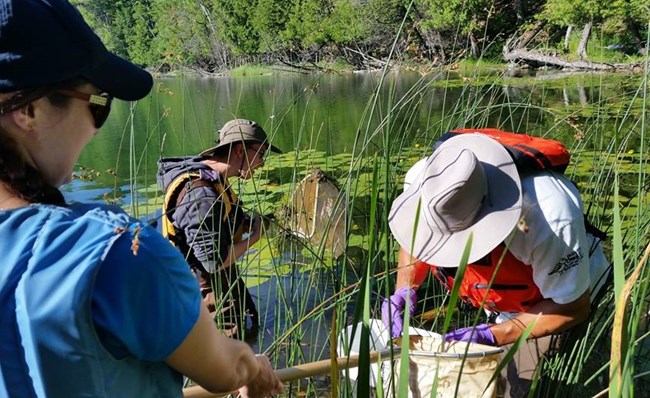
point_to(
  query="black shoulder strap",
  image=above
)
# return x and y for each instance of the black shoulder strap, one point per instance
(191, 184)
(595, 231)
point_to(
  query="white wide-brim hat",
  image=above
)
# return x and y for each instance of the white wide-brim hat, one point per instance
(469, 185)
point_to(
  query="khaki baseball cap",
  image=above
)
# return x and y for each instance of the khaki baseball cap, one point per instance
(240, 130)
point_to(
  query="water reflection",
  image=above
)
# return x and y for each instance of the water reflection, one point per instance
(295, 312)
(338, 114)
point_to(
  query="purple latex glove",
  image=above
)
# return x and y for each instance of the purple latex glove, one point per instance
(481, 334)
(394, 314)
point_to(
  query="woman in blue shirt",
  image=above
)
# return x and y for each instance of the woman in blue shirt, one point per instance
(77, 318)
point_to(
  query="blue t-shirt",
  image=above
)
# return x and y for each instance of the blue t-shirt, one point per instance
(150, 300)
(88, 313)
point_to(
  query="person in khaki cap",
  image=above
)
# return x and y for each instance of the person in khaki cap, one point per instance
(205, 220)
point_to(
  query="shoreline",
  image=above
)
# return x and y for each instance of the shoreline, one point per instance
(482, 67)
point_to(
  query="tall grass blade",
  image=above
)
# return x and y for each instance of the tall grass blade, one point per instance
(363, 382)
(621, 381)
(513, 350)
(453, 299)
(334, 370)
(620, 339)
(404, 363)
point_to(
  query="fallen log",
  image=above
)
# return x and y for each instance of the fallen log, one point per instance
(537, 59)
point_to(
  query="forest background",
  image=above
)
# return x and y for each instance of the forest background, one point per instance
(215, 36)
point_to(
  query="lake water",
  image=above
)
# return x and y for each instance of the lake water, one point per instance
(336, 114)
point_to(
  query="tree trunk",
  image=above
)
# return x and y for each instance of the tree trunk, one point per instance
(536, 59)
(525, 38)
(520, 10)
(473, 46)
(427, 38)
(417, 18)
(567, 38)
(529, 35)
(565, 96)
(218, 49)
(634, 31)
(582, 47)
(440, 47)
(582, 94)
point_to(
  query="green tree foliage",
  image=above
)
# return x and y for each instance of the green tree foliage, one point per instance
(348, 22)
(622, 22)
(466, 16)
(137, 27)
(235, 21)
(100, 15)
(575, 12)
(308, 22)
(270, 20)
(126, 26)
(319, 22)
(184, 34)
(205, 33)
(385, 18)
(477, 22)
(626, 20)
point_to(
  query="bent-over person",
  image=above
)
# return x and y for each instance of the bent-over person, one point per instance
(528, 233)
(204, 218)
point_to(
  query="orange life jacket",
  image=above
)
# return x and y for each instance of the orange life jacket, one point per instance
(529, 153)
(513, 288)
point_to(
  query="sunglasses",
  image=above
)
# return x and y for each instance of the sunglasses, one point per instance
(99, 104)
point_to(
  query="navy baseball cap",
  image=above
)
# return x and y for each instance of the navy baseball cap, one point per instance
(46, 42)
